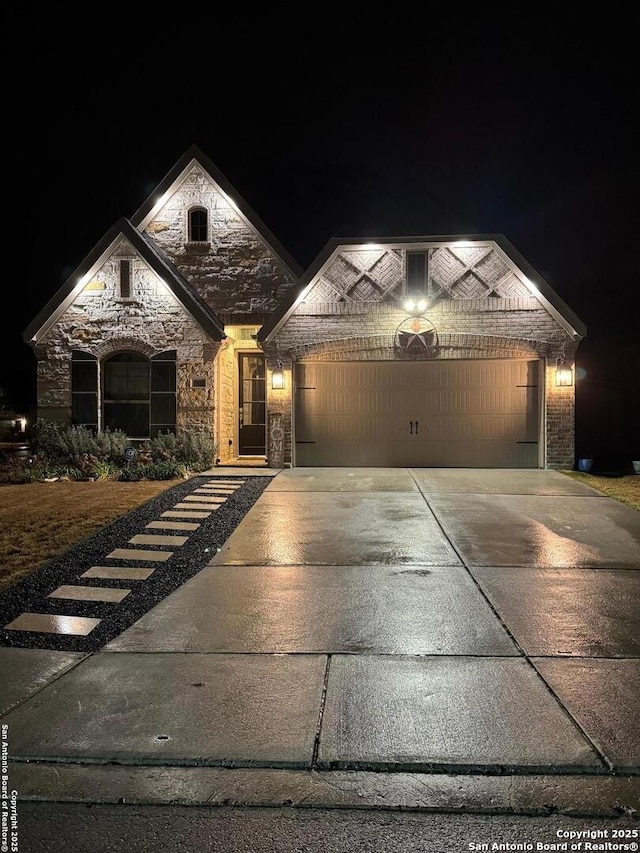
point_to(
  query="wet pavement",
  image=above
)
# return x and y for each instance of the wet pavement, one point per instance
(447, 639)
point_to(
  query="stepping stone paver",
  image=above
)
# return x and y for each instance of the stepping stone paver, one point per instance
(90, 593)
(170, 513)
(109, 573)
(209, 506)
(172, 525)
(157, 539)
(209, 499)
(53, 623)
(139, 554)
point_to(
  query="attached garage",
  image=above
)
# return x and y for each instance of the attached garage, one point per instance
(422, 352)
(480, 413)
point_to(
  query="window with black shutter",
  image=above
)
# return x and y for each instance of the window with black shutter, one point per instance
(84, 389)
(163, 393)
(125, 389)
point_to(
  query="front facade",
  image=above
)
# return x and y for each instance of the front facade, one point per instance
(413, 352)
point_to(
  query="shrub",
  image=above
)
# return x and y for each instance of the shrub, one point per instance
(166, 470)
(111, 445)
(102, 470)
(196, 450)
(131, 472)
(77, 453)
(46, 440)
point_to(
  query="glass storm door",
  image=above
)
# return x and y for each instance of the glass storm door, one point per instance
(251, 405)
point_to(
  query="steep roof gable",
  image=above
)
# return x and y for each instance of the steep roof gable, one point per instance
(531, 279)
(174, 177)
(157, 261)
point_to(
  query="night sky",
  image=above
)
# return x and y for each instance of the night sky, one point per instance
(356, 125)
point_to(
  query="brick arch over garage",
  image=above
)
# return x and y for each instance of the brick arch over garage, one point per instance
(381, 347)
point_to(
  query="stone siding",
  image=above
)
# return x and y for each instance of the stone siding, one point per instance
(149, 322)
(237, 274)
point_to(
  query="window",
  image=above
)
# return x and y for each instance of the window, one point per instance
(139, 394)
(163, 393)
(198, 225)
(125, 278)
(84, 389)
(416, 273)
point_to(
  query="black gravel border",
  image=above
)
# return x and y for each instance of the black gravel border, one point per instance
(30, 594)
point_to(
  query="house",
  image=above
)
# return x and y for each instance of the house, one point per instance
(425, 351)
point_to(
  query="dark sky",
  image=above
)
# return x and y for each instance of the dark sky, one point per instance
(364, 124)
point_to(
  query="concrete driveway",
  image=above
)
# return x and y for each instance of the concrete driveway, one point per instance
(450, 639)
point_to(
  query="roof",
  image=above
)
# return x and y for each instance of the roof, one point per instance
(172, 179)
(158, 262)
(530, 277)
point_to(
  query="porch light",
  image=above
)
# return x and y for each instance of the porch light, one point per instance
(277, 378)
(415, 305)
(564, 374)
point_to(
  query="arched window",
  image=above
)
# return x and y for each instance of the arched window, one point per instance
(198, 225)
(139, 394)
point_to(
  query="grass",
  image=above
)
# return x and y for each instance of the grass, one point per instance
(625, 489)
(40, 521)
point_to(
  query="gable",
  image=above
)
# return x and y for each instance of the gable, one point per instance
(460, 269)
(95, 283)
(240, 268)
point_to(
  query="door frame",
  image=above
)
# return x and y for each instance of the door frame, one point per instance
(240, 355)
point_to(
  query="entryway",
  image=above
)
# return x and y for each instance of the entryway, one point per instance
(252, 408)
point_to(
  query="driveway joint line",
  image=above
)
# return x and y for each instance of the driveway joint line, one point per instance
(316, 741)
(470, 574)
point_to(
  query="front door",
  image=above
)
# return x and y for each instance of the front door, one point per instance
(251, 405)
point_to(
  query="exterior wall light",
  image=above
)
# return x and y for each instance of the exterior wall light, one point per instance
(277, 378)
(564, 374)
(415, 305)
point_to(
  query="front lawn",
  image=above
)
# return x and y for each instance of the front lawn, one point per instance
(625, 489)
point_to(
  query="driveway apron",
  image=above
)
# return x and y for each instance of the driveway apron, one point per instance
(421, 638)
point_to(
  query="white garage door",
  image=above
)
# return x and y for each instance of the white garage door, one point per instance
(468, 414)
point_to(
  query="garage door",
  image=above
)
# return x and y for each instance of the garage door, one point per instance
(470, 414)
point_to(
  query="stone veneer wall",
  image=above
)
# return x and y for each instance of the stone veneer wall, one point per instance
(237, 274)
(150, 322)
(491, 327)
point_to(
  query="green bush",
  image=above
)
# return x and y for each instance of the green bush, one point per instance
(131, 473)
(77, 453)
(111, 446)
(166, 470)
(196, 450)
(105, 470)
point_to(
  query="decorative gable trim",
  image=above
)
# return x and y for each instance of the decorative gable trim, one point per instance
(522, 280)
